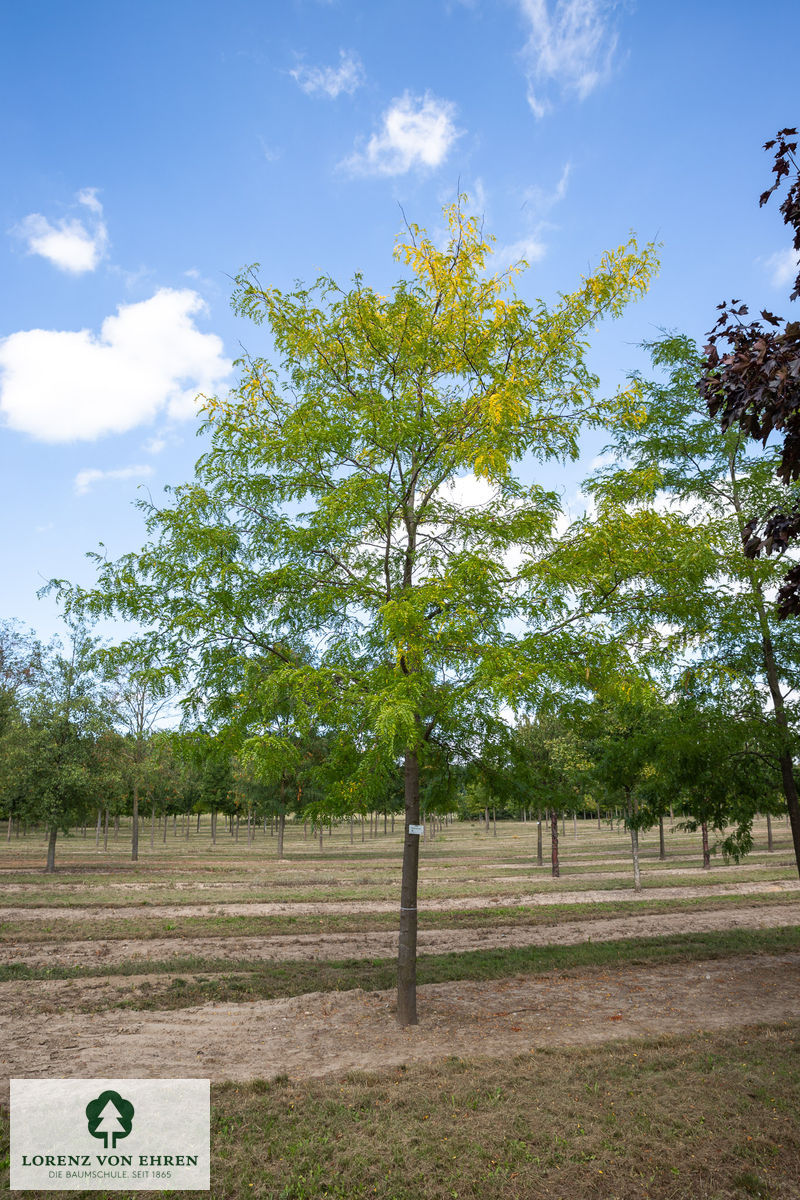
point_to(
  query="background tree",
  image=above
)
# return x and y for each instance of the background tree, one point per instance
(712, 761)
(681, 486)
(139, 696)
(66, 716)
(620, 732)
(550, 764)
(20, 667)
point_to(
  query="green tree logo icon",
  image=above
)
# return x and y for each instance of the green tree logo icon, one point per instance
(109, 1117)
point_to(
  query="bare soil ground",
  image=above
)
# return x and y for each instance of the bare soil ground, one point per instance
(311, 946)
(319, 1033)
(302, 908)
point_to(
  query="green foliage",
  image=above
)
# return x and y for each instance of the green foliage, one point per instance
(65, 721)
(324, 531)
(682, 486)
(687, 486)
(550, 763)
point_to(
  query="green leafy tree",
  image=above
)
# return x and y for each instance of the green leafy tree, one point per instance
(139, 696)
(20, 668)
(621, 732)
(323, 528)
(550, 765)
(683, 488)
(713, 762)
(66, 717)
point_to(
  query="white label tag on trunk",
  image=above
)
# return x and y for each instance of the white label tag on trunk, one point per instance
(417, 829)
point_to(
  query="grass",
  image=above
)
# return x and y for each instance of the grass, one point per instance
(377, 889)
(98, 928)
(699, 1117)
(199, 981)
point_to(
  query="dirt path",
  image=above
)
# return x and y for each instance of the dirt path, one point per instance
(109, 952)
(319, 1033)
(303, 908)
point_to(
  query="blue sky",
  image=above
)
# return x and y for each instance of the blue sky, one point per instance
(152, 150)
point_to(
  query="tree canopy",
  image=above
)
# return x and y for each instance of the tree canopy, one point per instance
(358, 518)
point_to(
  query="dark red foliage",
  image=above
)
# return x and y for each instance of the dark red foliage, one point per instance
(751, 378)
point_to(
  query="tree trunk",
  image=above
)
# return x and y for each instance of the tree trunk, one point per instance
(662, 852)
(769, 834)
(407, 948)
(153, 826)
(135, 825)
(773, 679)
(321, 831)
(637, 878)
(213, 827)
(706, 853)
(554, 844)
(494, 820)
(51, 850)
(105, 830)
(97, 831)
(486, 818)
(281, 831)
(539, 859)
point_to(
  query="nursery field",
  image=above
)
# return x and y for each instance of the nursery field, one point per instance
(576, 1039)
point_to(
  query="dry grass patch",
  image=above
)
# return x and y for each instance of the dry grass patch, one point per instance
(705, 1117)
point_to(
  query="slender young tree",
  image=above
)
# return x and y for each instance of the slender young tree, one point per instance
(139, 697)
(66, 717)
(358, 516)
(710, 605)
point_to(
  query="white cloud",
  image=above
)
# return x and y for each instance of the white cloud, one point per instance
(70, 244)
(416, 131)
(88, 196)
(571, 46)
(531, 249)
(468, 491)
(149, 358)
(783, 266)
(538, 201)
(271, 153)
(331, 81)
(87, 478)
